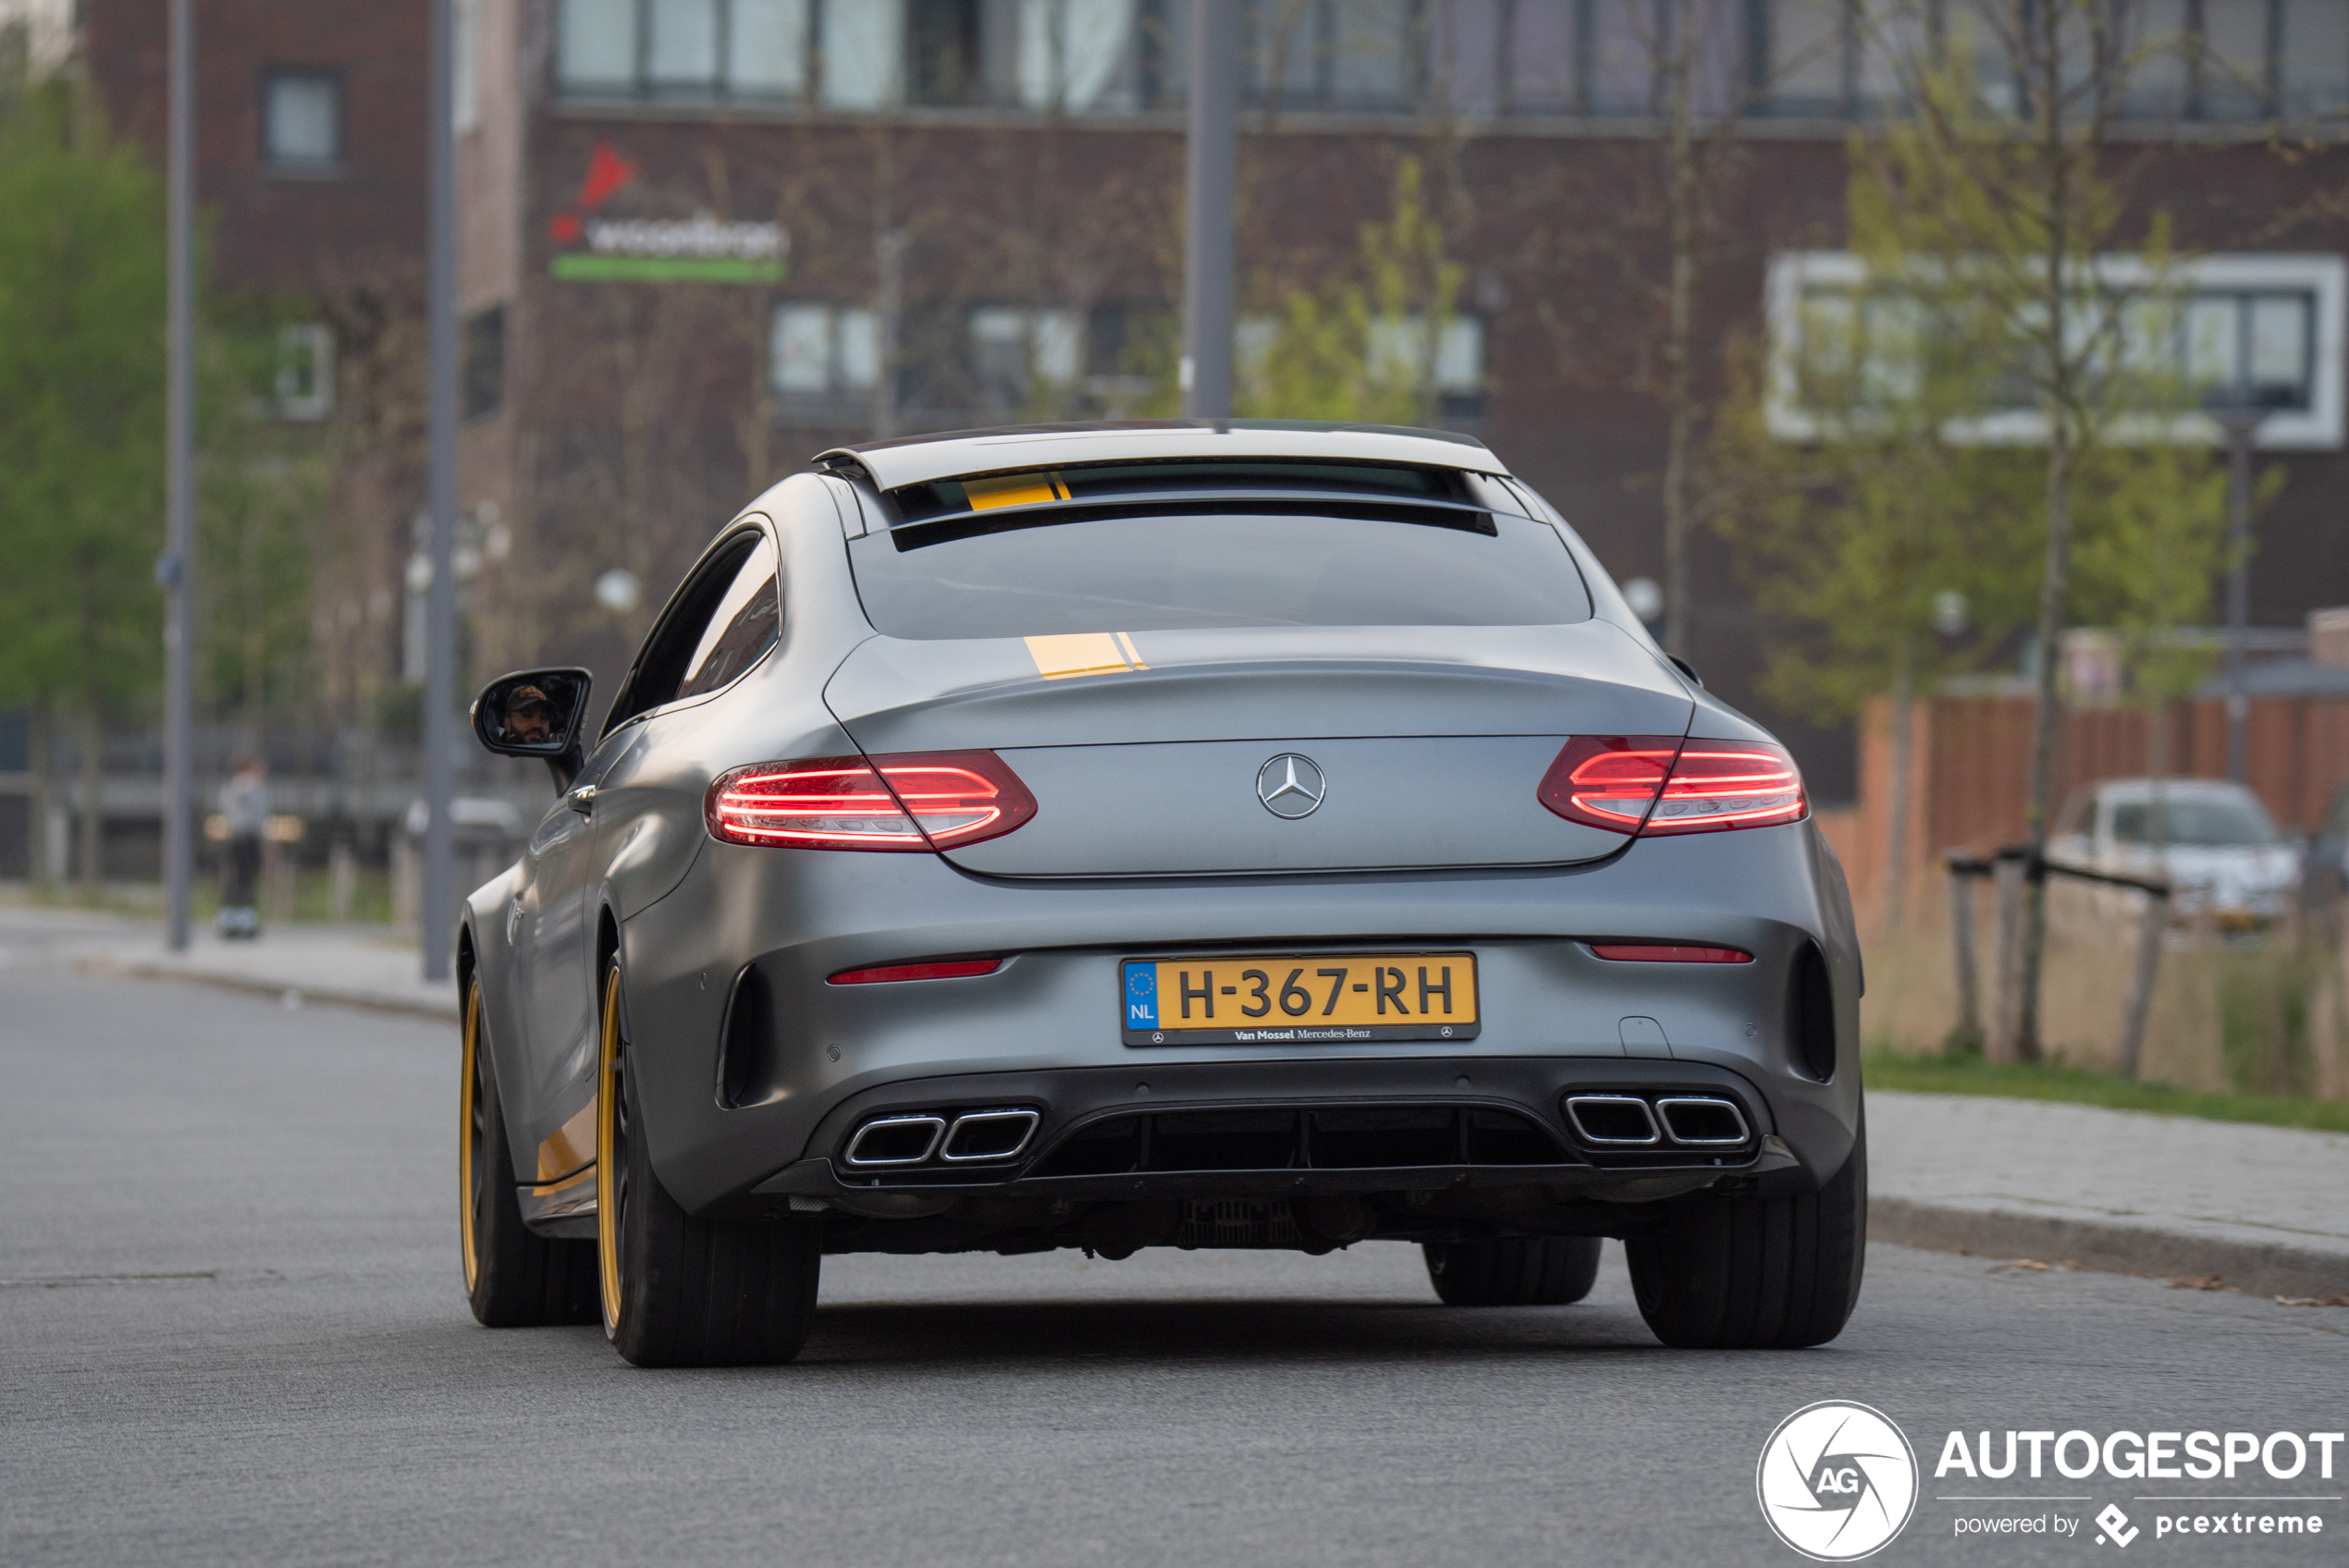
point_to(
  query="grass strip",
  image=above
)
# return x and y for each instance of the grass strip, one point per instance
(1971, 1075)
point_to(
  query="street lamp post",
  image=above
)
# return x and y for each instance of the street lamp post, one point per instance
(1207, 217)
(2240, 426)
(175, 570)
(440, 604)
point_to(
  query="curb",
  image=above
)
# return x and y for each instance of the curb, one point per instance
(372, 1001)
(2267, 1269)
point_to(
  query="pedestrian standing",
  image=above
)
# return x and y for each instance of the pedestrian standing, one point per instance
(244, 805)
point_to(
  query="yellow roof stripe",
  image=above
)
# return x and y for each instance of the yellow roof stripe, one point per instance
(1014, 490)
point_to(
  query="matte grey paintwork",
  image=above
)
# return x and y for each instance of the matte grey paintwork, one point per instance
(649, 777)
(898, 695)
(689, 914)
(1192, 807)
(1056, 1004)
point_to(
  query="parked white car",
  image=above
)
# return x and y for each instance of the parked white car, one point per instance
(2214, 841)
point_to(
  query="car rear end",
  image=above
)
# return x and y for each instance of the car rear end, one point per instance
(1275, 849)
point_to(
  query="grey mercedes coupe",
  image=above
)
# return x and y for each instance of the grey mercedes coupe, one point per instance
(1155, 835)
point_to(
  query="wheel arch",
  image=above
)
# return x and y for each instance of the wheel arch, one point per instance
(607, 949)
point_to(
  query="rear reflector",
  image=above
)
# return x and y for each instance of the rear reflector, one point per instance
(957, 969)
(1651, 785)
(908, 801)
(1640, 952)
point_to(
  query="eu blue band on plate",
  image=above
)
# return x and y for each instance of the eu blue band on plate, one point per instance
(1141, 996)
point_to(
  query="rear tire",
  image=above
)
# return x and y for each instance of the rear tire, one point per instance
(514, 1277)
(1756, 1273)
(1513, 1271)
(678, 1290)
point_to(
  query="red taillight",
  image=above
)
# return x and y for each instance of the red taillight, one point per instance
(1651, 952)
(1721, 784)
(1609, 782)
(909, 801)
(954, 969)
(1651, 785)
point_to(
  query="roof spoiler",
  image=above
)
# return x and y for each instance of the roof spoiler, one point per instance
(970, 454)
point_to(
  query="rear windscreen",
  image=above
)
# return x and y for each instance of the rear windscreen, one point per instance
(1204, 568)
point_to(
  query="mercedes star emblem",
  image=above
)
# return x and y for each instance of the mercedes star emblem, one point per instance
(1290, 786)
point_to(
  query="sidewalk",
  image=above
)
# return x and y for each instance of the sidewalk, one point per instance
(2264, 1209)
(370, 966)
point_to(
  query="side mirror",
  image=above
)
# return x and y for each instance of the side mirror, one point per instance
(537, 713)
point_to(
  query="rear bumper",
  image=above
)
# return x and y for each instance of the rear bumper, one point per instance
(754, 1072)
(1268, 1130)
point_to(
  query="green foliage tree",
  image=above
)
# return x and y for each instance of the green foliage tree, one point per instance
(1860, 542)
(81, 451)
(1362, 348)
(2005, 212)
(262, 482)
(1982, 219)
(81, 379)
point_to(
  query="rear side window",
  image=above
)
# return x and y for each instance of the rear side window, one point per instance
(720, 622)
(1216, 568)
(748, 622)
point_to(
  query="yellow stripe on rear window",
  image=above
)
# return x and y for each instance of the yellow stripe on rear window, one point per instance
(1014, 490)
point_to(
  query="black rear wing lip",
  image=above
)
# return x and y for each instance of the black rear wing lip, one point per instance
(913, 534)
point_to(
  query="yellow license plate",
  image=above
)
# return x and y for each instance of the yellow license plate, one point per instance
(1299, 999)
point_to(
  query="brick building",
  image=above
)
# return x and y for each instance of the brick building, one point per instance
(703, 239)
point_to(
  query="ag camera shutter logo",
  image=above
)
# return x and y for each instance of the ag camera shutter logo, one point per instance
(1837, 1481)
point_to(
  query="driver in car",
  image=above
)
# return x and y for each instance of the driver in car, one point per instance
(530, 719)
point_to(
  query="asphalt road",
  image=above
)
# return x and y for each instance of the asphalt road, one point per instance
(231, 1331)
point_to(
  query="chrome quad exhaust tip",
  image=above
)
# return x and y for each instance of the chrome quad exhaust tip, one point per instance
(1618, 1121)
(988, 1134)
(1702, 1121)
(894, 1140)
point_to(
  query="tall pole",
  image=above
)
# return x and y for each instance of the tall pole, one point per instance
(440, 604)
(2242, 426)
(1207, 224)
(890, 252)
(175, 570)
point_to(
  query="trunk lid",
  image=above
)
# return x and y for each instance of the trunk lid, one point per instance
(1144, 751)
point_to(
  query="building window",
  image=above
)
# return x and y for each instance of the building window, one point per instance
(1018, 354)
(304, 384)
(1396, 358)
(692, 49)
(1536, 58)
(681, 49)
(862, 53)
(464, 66)
(942, 63)
(2266, 331)
(2225, 60)
(767, 48)
(821, 355)
(595, 46)
(484, 366)
(1400, 349)
(1328, 53)
(1076, 56)
(2312, 58)
(302, 120)
(2231, 61)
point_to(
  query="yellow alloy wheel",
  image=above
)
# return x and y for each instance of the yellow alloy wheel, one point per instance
(608, 1173)
(469, 1111)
